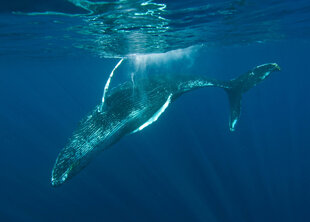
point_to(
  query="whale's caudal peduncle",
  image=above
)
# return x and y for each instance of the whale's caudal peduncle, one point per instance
(130, 108)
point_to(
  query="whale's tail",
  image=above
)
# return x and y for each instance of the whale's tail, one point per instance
(236, 87)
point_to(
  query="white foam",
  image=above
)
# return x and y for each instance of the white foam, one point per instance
(143, 61)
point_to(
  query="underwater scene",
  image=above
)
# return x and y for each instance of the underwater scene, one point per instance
(155, 110)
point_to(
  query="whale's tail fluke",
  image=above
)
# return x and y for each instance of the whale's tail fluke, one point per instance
(236, 87)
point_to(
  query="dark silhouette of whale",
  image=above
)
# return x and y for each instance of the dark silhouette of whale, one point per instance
(129, 108)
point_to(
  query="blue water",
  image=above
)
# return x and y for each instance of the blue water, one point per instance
(187, 166)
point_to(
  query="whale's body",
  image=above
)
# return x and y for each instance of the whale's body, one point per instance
(130, 107)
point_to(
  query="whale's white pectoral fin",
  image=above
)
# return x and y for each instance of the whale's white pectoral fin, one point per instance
(106, 87)
(155, 116)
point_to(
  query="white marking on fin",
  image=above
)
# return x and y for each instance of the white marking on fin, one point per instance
(233, 124)
(265, 75)
(155, 116)
(262, 65)
(106, 87)
(273, 64)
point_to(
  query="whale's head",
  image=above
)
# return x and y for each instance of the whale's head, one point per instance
(66, 166)
(95, 133)
(63, 171)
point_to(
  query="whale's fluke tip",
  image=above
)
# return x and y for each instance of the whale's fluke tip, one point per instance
(277, 66)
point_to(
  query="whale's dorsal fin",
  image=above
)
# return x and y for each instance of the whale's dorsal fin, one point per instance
(155, 116)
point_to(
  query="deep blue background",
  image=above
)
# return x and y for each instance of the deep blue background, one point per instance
(185, 167)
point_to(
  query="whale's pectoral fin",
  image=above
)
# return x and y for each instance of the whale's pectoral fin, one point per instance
(155, 116)
(236, 87)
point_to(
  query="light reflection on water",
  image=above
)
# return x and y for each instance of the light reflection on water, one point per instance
(123, 27)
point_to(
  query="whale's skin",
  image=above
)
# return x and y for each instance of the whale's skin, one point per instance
(131, 106)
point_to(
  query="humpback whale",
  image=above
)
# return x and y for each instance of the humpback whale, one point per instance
(129, 108)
